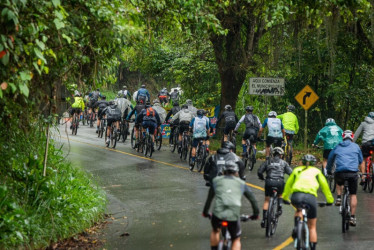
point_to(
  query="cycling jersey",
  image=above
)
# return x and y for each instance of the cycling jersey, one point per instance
(367, 127)
(124, 94)
(144, 117)
(200, 126)
(143, 94)
(290, 122)
(275, 169)
(275, 127)
(307, 180)
(250, 121)
(78, 102)
(229, 116)
(174, 95)
(173, 111)
(183, 115)
(161, 111)
(138, 108)
(123, 105)
(347, 156)
(113, 112)
(331, 135)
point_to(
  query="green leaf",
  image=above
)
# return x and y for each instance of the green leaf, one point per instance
(1, 93)
(68, 39)
(1, 47)
(46, 69)
(37, 68)
(13, 86)
(39, 54)
(5, 59)
(24, 89)
(56, 3)
(58, 24)
(25, 75)
(40, 44)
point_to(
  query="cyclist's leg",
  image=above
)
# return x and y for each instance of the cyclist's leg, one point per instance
(226, 132)
(99, 117)
(269, 141)
(246, 136)
(235, 233)
(312, 225)
(236, 244)
(216, 229)
(195, 142)
(339, 187)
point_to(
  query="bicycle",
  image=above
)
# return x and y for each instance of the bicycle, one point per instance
(113, 135)
(288, 149)
(329, 177)
(201, 155)
(140, 141)
(74, 124)
(250, 155)
(124, 129)
(92, 118)
(271, 222)
(225, 242)
(85, 117)
(186, 146)
(302, 231)
(147, 144)
(230, 137)
(345, 208)
(369, 182)
(173, 139)
(102, 128)
(158, 138)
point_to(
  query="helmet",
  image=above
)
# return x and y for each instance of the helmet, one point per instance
(231, 166)
(143, 85)
(184, 106)
(371, 114)
(330, 120)
(103, 97)
(189, 102)
(309, 158)
(348, 134)
(249, 108)
(175, 90)
(200, 112)
(278, 150)
(124, 87)
(112, 103)
(272, 114)
(291, 107)
(175, 103)
(156, 101)
(228, 145)
(97, 89)
(228, 107)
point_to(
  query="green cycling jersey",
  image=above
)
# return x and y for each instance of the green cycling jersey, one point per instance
(289, 121)
(307, 180)
(78, 102)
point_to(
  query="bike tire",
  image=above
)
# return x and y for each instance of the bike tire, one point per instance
(345, 214)
(91, 121)
(274, 216)
(190, 160)
(187, 148)
(158, 140)
(106, 137)
(365, 185)
(113, 138)
(202, 160)
(233, 140)
(251, 159)
(269, 219)
(133, 138)
(150, 152)
(301, 235)
(174, 141)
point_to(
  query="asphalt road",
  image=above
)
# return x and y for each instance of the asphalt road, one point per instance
(157, 203)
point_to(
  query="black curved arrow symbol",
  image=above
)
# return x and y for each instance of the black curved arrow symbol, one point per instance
(307, 94)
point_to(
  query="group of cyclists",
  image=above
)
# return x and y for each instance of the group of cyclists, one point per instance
(224, 171)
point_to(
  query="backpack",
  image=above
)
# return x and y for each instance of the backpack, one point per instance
(251, 122)
(113, 113)
(150, 112)
(199, 129)
(230, 117)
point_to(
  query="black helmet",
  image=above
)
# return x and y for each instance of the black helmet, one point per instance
(228, 107)
(200, 112)
(97, 89)
(103, 97)
(231, 167)
(175, 103)
(249, 108)
(228, 145)
(309, 158)
(278, 150)
(291, 107)
(184, 106)
(112, 103)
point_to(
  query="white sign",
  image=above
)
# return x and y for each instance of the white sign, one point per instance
(266, 86)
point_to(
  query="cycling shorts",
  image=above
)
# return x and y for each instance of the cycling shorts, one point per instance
(229, 127)
(92, 103)
(183, 126)
(270, 183)
(233, 227)
(298, 199)
(196, 141)
(163, 99)
(110, 121)
(150, 125)
(289, 137)
(352, 178)
(277, 141)
(326, 153)
(251, 134)
(75, 110)
(366, 148)
(100, 114)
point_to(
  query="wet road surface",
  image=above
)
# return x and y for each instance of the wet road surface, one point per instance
(158, 202)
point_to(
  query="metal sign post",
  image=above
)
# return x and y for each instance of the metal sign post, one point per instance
(306, 98)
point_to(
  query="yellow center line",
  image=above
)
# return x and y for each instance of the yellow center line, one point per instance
(281, 246)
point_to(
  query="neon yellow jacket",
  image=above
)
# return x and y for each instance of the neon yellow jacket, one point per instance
(307, 181)
(289, 121)
(78, 102)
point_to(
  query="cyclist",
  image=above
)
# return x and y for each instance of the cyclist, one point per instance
(191, 107)
(143, 94)
(210, 130)
(113, 114)
(124, 93)
(124, 105)
(175, 109)
(163, 96)
(367, 129)
(136, 111)
(150, 119)
(228, 191)
(303, 184)
(160, 110)
(216, 162)
(331, 135)
(275, 170)
(347, 156)
(230, 121)
(252, 126)
(174, 95)
(199, 127)
(102, 104)
(290, 123)
(78, 106)
(94, 97)
(185, 116)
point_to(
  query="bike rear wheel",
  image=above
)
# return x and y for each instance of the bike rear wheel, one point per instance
(370, 179)
(158, 139)
(332, 183)
(200, 157)
(251, 158)
(272, 216)
(345, 214)
(113, 137)
(301, 236)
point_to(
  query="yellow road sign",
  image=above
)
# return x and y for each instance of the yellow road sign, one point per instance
(306, 97)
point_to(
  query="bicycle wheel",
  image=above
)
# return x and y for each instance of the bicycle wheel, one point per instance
(233, 140)
(174, 141)
(113, 137)
(126, 131)
(190, 159)
(187, 148)
(201, 156)
(269, 218)
(301, 236)
(146, 145)
(251, 158)
(183, 147)
(370, 179)
(133, 138)
(76, 125)
(158, 139)
(345, 214)
(91, 120)
(274, 216)
(106, 137)
(331, 182)
(288, 154)
(102, 128)
(150, 149)
(100, 132)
